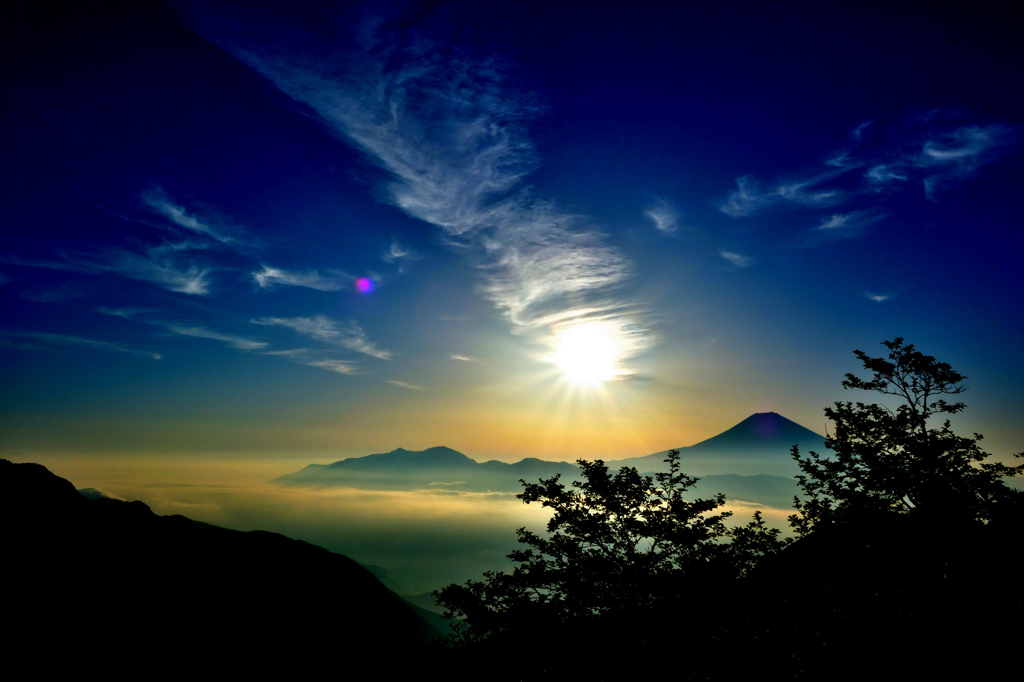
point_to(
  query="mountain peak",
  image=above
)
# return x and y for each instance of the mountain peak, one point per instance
(760, 444)
(762, 429)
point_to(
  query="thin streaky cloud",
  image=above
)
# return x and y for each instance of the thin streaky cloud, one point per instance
(965, 147)
(160, 202)
(887, 173)
(836, 222)
(305, 356)
(321, 328)
(269, 277)
(749, 198)
(840, 226)
(809, 193)
(935, 150)
(462, 358)
(126, 313)
(411, 387)
(664, 216)
(737, 259)
(397, 252)
(337, 366)
(451, 134)
(67, 340)
(842, 160)
(237, 342)
(848, 224)
(858, 133)
(877, 298)
(162, 270)
(160, 266)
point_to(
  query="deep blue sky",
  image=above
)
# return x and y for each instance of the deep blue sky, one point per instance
(724, 200)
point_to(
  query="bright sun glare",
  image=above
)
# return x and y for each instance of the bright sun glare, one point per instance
(587, 354)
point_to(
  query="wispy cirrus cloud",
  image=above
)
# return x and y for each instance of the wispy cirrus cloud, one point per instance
(451, 134)
(664, 216)
(305, 356)
(144, 316)
(860, 131)
(842, 226)
(321, 328)
(237, 342)
(402, 384)
(126, 313)
(737, 259)
(933, 151)
(877, 298)
(268, 277)
(462, 358)
(836, 222)
(751, 198)
(208, 226)
(396, 252)
(39, 340)
(160, 265)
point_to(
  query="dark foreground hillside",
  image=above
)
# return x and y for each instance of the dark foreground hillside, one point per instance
(108, 585)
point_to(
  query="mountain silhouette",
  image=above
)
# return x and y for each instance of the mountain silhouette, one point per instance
(749, 462)
(764, 430)
(760, 444)
(433, 468)
(90, 577)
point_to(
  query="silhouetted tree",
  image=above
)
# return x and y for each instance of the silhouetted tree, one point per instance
(617, 545)
(892, 460)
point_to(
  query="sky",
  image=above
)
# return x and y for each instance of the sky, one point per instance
(274, 233)
(341, 228)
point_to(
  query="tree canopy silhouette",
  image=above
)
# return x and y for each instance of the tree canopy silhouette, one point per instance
(895, 460)
(617, 545)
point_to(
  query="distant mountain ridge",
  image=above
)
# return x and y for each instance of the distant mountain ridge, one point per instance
(438, 468)
(750, 462)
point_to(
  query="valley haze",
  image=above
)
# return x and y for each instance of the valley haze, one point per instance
(383, 511)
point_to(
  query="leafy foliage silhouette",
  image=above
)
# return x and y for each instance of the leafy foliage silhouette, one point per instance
(898, 523)
(891, 460)
(617, 546)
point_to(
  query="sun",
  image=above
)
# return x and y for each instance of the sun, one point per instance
(587, 354)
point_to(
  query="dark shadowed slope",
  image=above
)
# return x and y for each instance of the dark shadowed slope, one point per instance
(109, 582)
